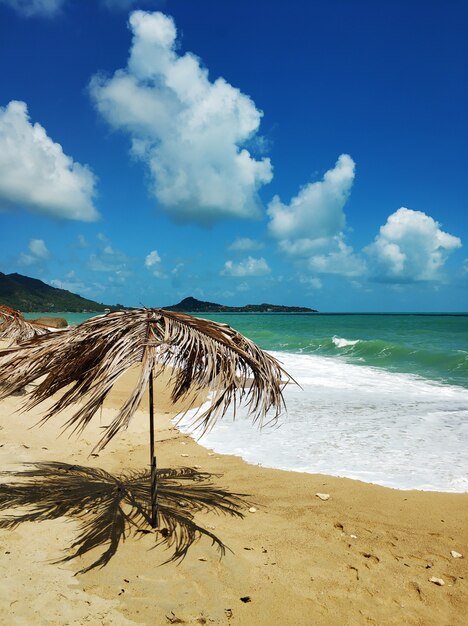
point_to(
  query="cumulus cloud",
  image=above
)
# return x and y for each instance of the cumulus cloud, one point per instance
(39, 249)
(316, 283)
(190, 132)
(242, 244)
(410, 247)
(316, 213)
(338, 259)
(31, 8)
(152, 259)
(247, 267)
(153, 263)
(310, 228)
(37, 175)
(37, 253)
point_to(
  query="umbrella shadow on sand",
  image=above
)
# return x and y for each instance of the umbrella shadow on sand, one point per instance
(109, 508)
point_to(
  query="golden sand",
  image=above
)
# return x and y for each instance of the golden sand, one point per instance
(364, 556)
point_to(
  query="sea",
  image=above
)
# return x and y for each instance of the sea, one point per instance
(381, 398)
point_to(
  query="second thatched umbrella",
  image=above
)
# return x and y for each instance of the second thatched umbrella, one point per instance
(89, 358)
(15, 328)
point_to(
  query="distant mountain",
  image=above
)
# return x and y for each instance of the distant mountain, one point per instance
(30, 294)
(192, 305)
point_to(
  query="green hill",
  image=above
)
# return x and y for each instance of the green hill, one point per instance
(30, 294)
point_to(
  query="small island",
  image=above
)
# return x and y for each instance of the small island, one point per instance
(192, 305)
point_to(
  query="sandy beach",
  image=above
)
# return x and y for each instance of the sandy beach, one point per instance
(364, 556)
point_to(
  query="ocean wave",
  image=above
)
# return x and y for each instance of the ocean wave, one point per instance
(397, 430)
(340, 342)
(445, 366)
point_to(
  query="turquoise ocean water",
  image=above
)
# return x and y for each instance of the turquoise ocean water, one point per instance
(382, 398)
(432, 346)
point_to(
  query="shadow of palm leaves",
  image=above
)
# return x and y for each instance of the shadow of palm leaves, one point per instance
(109, 508)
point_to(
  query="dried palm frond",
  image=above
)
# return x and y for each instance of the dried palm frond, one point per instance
(87, 360)
(13, 326)
(109, 508)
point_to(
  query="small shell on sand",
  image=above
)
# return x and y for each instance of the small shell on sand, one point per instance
(436, 581)
(323, 496)
(252, 509)
(456, 555)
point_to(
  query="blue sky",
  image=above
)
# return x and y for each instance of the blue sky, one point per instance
(308, 153)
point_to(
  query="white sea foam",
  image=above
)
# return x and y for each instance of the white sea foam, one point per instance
(396, 430)
(340, 342)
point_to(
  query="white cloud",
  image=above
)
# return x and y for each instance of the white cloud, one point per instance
(152, 259)
(178, 268)
(339, 259)
(75, 286)
(191, 133)
(38, 248)
(37, 175)
(119, 277)
(71, 282)
(38, 253)
(30, 8)
(410, 247)
(304, 247)
(311, 227)
(243, 244)
(153, 263)
(316, 213)
(50, 8)
(313, 282)
(247, 267)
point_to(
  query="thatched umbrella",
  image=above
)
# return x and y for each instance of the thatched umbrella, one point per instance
(13, 326)
(88, 359)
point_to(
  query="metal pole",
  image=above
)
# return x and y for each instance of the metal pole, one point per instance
(154, 507)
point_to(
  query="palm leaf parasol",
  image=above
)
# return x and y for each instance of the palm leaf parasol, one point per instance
(88, 359)
(13, 326)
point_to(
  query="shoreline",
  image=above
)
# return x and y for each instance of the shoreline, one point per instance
(363, 556)
(303, 472)
(416, 450)
(311, 473)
